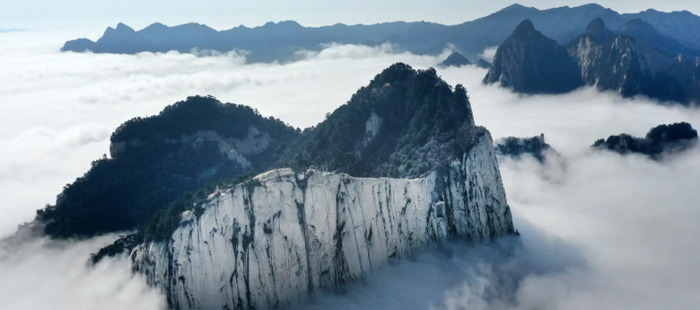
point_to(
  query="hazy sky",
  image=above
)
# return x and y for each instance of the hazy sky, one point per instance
(95, 15)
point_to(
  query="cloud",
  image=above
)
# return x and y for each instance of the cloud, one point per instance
(488, 53)
(44, 274)
(607, 231)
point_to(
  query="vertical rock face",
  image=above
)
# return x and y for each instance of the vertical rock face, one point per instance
(609, 61)
(637, 61)
(529, 62)
(275, 240)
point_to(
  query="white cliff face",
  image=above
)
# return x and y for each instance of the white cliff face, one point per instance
(274, 241)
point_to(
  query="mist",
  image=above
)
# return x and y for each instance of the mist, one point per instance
(597, 229)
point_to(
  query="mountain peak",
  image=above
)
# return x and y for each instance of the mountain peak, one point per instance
(595, 25)
(638, 26)
(529, 62)
(405, 123)
(525, 26)
(596, 29)
(121, 27)
(514, 6)
(285, 24)
(157, 25)
(455, 60)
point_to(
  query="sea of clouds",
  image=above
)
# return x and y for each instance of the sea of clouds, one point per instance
(598, 230)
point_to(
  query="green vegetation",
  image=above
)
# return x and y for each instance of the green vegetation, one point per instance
(162, 224)
(405, 123)
(155, 160)
(660, 139)
(419, 122)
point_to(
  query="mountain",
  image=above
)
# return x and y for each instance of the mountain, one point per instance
(280, 41)
(682, 26)
(517, 147)
(272, 240)
(403, 124)
(654, 66)
(662, 139)
(529, 62)
(609, 61)
(157, 159)
(455, 60)
(481, 63)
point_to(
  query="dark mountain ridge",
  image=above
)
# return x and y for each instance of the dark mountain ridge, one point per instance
(516, 147)
(529, 62)
(280, 41)
(662, 139)
(455, 60)
(405, 123)
(156, 159)
(654, 65)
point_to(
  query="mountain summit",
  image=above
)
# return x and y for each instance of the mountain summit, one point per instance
(638, 61)
(403, 124)
(529, 62)
(272, 240)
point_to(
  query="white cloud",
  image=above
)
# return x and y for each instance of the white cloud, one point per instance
(45, 274)
(608, 232)
(489, 53)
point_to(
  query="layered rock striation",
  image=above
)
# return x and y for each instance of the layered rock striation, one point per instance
(275, 240)
(410, 169)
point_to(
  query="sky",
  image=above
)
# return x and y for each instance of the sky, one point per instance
(598, 230)
(93, 16)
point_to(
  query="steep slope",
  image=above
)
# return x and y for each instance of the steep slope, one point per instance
(609, 61)
(403, 124)
(529, 62)
(481, 63)
(646, 35)
(157, 159)
(683, 26)
(455, 60)
(655, 66)
(275, 239)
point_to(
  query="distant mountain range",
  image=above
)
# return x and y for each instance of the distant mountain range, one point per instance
(280, 41)
(637, 60)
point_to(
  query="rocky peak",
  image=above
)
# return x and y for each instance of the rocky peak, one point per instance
(121, 27)
(639, 28)
(596, 29)
(120, 31)
(529, 62)
(525, 28)
(596, 24)
(455, 60)
(402, 124)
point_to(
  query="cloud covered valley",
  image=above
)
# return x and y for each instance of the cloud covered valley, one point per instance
(598, 230)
